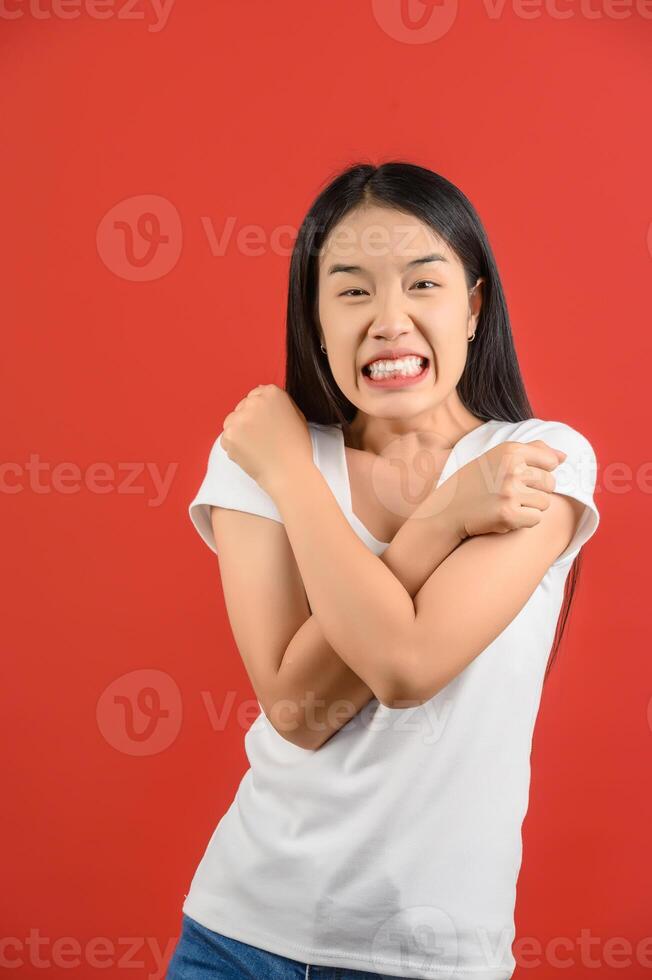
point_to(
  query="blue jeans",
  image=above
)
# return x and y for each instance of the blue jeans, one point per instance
(202, 954)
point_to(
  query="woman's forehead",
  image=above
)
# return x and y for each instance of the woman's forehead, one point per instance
(360, 243)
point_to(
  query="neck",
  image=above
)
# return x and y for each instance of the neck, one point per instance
(446, 424)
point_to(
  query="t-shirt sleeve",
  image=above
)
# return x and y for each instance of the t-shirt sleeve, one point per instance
(227, 485)
(575, 477)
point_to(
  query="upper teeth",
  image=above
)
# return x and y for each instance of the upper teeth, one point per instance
(402, 365)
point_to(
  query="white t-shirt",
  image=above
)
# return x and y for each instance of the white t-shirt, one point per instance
(396, 846)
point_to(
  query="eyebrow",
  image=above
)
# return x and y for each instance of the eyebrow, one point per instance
(434, 257)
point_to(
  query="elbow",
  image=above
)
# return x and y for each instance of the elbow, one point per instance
(290, 722)
(413, 683)
(300, 739)
(292, 732)
(306, 738)
(400, 685)
(404, 697)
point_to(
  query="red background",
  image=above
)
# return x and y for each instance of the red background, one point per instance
(236, 114)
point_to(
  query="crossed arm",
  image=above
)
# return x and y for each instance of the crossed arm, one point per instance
(339, 625)
(307, 690)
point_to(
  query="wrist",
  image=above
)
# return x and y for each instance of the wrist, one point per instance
(424, 541)
(287, 474)
(443, 513)
(445, 530)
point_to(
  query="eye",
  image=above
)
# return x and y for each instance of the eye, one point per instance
(424, 282)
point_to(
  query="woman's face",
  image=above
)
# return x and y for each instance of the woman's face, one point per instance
(387, 283)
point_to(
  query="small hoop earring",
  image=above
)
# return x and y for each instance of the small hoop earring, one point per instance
(472, 337)
(323, 348)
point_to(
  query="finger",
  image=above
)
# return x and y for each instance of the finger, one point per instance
(528, 517)
(538, 499)
(538, 453)
(538, 479)
(539, 442)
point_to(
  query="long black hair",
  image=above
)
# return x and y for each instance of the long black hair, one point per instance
(491, 386)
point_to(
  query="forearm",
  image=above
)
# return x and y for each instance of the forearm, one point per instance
(363, 608)
(317, 691)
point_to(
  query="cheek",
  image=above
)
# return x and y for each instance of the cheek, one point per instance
(449, 315)
(343, 366)
(322, 309)
(450, 353)
(341, 357)
(445, 330)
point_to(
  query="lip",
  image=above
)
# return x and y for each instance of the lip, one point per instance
(391, 353)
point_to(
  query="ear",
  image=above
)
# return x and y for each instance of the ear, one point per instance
(475, 301)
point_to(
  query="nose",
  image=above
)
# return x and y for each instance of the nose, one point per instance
(390, 323)
(392, 319)
(390, 330)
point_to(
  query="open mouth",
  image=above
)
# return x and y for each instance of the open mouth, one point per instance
(397, 372)
(407, 368)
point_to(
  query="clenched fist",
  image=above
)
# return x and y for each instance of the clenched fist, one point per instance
(503, 489)
(266, 434)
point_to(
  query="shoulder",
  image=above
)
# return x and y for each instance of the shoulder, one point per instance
(527, 430)
(559, 435)
(226, 484)
(326, 443)
(323, 429)
(575, 477)
(547, 429)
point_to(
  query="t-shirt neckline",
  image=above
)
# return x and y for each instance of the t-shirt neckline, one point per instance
(346, 482)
